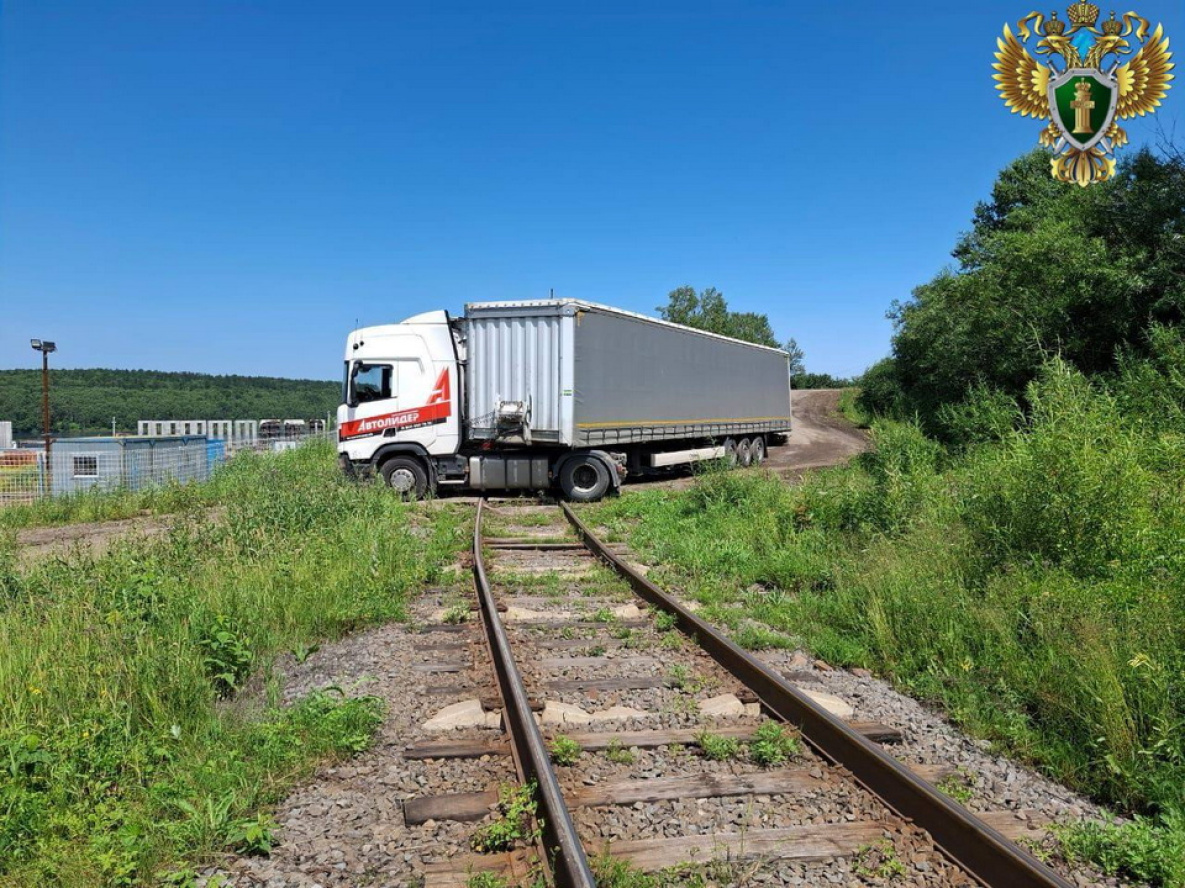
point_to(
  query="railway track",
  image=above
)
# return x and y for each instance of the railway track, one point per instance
(661, 778)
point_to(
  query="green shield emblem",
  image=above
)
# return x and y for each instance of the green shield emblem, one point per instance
(1082, 102)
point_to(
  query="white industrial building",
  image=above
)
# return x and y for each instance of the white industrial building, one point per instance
(235, 432)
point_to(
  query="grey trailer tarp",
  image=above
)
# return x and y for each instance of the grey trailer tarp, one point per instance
(597, 376)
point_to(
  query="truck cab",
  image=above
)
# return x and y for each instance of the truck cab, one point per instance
(401, 404)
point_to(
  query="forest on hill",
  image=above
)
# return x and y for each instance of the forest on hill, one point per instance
(86, 401)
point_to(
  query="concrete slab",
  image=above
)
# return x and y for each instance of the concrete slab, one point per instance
(466, 714)
(833, 704)
(617, 713)
(514, 614)
(556, 713)
(722, 706)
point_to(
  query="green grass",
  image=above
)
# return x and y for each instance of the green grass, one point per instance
(718, 748)
(849, 407)
(565, 751)
(142, 732)
(1033, 584)
(619, 754)
(773, 744)
(515, 823)
(98, 505)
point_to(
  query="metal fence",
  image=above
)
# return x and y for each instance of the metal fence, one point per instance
(81, 465)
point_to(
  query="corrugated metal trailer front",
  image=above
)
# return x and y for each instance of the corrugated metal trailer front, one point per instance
(520, 351)
(597, 376)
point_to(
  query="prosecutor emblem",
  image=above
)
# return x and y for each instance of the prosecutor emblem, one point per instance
(1097, 82)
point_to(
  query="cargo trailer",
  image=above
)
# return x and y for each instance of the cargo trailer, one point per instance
(552, 393)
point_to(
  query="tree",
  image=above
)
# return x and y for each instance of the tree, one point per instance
(84, 401)
(1046, 268)
(797, 356)
(708, 310)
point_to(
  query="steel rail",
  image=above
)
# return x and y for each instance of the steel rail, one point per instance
(563, 851)
(980, 850)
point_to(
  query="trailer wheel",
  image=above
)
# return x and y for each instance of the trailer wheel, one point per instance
(584, 479)
(730, 452)
(757, 448)
(406, 476)
(744, 454)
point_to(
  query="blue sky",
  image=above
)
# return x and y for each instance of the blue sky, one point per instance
(228, 186)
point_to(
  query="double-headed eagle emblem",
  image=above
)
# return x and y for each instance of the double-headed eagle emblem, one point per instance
(1097, 86)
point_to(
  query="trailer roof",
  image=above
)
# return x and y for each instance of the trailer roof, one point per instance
(585, 305)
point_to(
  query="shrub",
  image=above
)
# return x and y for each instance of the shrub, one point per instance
(1145, 850)
(564, 750)
(773, 744)
(1071, 490)
(718, 748)
(903, 465)
(984, 416)
(515, 822)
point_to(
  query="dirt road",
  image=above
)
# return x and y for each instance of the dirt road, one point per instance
(821, 436)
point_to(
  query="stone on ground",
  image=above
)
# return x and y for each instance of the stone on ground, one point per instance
(833, 704)
(466, 714)
(722, 706)
(525, 613)
(555, 713)
(617, 713)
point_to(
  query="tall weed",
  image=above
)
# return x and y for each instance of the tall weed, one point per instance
(117, 757)
(1033, 584)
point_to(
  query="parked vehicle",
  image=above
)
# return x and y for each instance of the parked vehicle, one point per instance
(552, 393)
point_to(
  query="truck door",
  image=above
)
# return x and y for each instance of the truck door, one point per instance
(395, 398)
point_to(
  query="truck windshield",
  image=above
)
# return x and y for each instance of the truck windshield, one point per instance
(372, 382)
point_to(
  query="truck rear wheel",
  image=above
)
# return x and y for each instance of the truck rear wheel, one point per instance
(406, 476)
(584, 479)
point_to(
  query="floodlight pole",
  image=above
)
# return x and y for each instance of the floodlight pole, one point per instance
(45, 347)
(45, 420)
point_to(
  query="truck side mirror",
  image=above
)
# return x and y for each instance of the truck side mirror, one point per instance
(351, 395)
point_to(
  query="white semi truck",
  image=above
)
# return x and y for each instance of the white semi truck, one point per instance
(552, 393)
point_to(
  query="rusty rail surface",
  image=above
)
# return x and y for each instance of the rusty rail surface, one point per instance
(964, 838)
(562, 849)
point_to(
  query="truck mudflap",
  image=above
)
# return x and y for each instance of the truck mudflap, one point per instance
(617, 468)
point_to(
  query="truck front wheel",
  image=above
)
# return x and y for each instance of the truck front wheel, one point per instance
(584, 479)
(406, 476)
